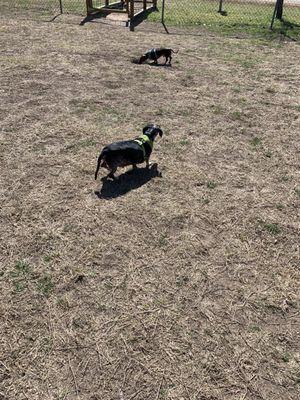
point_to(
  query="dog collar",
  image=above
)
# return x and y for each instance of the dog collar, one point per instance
(153, 53)
(142, 140)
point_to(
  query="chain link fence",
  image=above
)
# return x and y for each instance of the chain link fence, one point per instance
(218, 14)
(49, 7)
(233, 14)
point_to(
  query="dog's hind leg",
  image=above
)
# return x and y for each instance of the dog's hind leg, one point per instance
(111, 174)
(134, 167)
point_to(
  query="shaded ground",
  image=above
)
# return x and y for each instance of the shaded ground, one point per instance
(184, 286)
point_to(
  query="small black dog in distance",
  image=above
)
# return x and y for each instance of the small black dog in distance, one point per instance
(155, 54)
(128, 152)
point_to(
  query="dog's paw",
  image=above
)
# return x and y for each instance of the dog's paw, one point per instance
(152, 166)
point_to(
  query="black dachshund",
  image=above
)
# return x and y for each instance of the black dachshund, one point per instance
(128, 152)
(155, 54)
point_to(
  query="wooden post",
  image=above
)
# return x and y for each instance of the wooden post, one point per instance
(106, 3)
(131, 9)
(144, 5)
(131, 15)
(89, 6)
(155, 4)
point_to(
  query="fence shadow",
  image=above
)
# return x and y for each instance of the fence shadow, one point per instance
(289, 25)
(126, 182)
(92, 18)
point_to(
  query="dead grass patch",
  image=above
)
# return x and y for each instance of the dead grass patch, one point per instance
(180, 286)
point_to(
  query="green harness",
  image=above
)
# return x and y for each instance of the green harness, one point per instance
(142, 140)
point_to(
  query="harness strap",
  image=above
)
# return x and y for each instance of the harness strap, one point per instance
(153, 53)
(142, 140)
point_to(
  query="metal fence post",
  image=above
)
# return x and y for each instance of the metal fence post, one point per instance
(220, 7)
(61, 6)
(163, 15)
(274, 13)
(279, 11)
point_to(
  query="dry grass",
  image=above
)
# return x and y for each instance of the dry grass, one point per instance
(186, 287)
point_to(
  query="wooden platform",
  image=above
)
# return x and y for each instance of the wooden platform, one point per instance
(127, 13)
(118, 19)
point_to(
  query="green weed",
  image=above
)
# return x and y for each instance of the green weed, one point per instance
(184, 142)
(211, 185)
(162, 240)
(22, 267)
(216, 109)
(254, 328)
(205, 201)
(286, 357)
(255, 142)
(45, 285)
(268, 154)
(285, 178)
(272, 228)
(236, 115)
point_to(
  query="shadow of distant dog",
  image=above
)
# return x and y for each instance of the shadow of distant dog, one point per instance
(152, 64)
(126, 182)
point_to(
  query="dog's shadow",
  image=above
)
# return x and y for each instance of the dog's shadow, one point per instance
(160, 65)
(126, 182)
(152, 64)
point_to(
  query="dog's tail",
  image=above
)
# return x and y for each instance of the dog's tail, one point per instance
(173, 51)
(98, 165)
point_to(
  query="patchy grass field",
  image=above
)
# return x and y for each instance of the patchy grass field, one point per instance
(184, 286)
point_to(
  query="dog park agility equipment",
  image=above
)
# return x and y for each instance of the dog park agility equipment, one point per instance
(124, 12)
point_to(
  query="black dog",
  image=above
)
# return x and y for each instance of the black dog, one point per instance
(155, 54)
(128, 152)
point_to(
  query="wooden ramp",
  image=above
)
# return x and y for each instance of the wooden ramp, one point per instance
(127, 13)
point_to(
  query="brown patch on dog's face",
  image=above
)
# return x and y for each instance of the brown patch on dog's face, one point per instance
(143, 59)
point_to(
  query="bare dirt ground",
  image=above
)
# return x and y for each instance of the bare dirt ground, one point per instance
(184, 286)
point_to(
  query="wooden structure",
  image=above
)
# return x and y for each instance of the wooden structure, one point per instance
(133, 11)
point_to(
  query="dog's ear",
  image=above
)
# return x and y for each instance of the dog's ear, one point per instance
(160, 132)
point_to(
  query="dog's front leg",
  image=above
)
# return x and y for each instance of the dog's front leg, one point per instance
(147, 163)
(111, 174)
